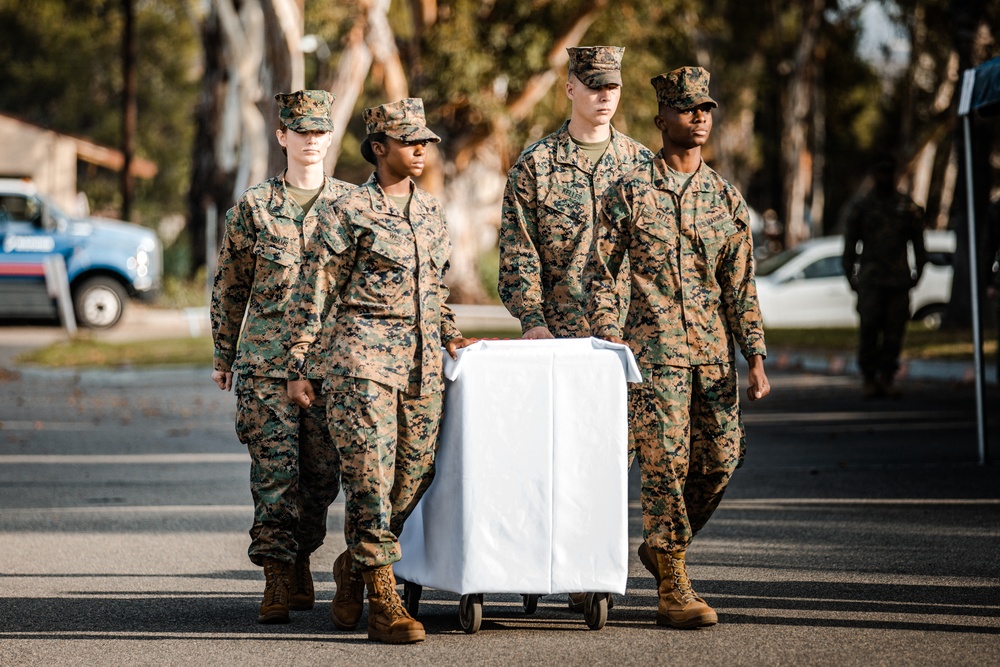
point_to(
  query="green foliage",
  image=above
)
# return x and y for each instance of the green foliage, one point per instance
(86, 352)
(60, 64)
(489, 272)
(180, 291)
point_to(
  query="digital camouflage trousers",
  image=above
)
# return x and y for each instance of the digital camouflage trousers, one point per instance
(883, 314)
(294, 468)
(387, 440)
(687, 427)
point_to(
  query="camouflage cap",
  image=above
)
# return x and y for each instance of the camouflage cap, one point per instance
(403, 120)
(596, 66)
(306, 110)
(683, 88)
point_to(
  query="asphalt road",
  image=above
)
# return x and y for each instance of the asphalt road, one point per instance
(857, 533)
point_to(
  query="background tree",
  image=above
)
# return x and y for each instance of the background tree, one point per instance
(252, 50)
(803, 111)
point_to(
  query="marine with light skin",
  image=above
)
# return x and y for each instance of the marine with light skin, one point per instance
(306, 152)
(294, 470)
(590, 122)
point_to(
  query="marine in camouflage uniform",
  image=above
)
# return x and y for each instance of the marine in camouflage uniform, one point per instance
(886, 222)
(294, 464)
(686, 232)
(384, 263)
(550, 204)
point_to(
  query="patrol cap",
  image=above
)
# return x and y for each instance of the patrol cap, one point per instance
(596, 66)
(306, 110)
(403, 120)
(683, 88)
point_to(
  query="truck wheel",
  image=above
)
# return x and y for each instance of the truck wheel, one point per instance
(931, 316)
(99, 302)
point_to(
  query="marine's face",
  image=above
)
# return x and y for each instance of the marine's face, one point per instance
(596, 106)
(686, 128)
(403, 158)
(305, 148)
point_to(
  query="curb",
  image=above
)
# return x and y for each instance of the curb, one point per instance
(913, 369)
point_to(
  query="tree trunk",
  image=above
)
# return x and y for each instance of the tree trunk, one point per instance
(795, 122)
(282, 68)
(129, 107)
(248, 58)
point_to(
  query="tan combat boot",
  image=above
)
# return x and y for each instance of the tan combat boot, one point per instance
(274, 606)
(680, 606)
(349, 601)
(648, 560)
(302, 595)
(388, 620)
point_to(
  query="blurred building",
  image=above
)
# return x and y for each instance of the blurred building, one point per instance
(51, 160)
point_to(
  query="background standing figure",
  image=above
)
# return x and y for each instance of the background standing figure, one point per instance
(294, 465)
(885, 222)
(686, 232)
(383, 260)
(551, 199)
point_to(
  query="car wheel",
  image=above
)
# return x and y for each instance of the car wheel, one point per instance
(99, 303)
(931, 316)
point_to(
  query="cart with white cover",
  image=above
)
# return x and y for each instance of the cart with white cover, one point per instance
(530, 494)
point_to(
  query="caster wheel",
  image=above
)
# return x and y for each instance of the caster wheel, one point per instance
(595, 610)
(530, 603)
(470, 612)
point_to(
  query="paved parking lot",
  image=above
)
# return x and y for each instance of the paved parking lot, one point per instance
(857, 533)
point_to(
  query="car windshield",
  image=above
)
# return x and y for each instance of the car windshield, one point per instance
(774, 262)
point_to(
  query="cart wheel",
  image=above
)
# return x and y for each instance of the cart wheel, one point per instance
(411, 597)
(530, 603)
(595, 610)
(470, 612)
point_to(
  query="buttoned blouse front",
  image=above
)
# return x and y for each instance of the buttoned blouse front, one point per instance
(690, 253)
(387, 272)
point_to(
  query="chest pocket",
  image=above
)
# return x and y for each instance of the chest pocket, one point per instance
(714, 227)
(653, 241)
(277, 249)
(277, 270)
(386, 269)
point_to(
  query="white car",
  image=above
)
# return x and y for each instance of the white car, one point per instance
(805, 286)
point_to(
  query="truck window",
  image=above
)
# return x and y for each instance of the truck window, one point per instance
(16, 208)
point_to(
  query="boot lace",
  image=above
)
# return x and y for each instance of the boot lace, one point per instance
(392, 604)
(275, 585)
(682, 584)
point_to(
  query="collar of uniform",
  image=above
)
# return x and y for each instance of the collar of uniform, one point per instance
(569, 153)
(663, 179)
(380, 200)
(280, 201)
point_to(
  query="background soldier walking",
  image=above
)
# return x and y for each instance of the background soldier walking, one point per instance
(885, 221)
(686, 232)
(294, 465)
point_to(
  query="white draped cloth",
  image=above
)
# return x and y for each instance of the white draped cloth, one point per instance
(530, 494)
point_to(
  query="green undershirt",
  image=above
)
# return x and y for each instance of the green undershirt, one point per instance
(305, 198)
(595, 151)
(402, 202)
(682, 176)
